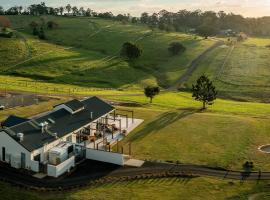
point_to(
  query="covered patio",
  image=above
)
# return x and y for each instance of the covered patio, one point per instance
(106, 131)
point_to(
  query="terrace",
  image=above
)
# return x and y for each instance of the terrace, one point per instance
(105, 132)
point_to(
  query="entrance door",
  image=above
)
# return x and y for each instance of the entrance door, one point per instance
(3, 154)
(23, 160)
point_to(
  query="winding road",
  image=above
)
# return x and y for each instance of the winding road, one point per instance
(92, 172)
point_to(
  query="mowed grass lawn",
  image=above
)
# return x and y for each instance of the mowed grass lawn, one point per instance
(226, 135)
(244, 74)
(169, 189)
(93, 60)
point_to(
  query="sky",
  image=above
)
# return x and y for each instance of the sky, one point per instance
(248, 8)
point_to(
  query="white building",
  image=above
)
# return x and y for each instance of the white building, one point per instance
(52, 142)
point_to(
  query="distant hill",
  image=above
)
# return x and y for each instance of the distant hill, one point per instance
(85, 51)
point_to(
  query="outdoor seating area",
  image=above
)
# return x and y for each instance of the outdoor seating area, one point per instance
(105, 133)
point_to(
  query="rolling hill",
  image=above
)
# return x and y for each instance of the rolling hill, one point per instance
(85, 52)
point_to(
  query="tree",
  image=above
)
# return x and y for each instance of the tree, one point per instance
(20, 8)
(151, 92)
(41, 34)
(134, 20)
(75, 10)
(68, 8)
(82, 11)
(61, 10)
(2, 12)
(176, 48)
(207, 30)
(144, 18)
(88, 12)
(204, 91)
(130, 50)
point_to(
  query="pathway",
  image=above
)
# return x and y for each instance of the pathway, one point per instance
(92, 172)
(193, 66)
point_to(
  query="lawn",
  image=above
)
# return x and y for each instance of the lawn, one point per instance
(184, 100)
(169, 189)
(226, 135)
(85, 52)
(243, 73)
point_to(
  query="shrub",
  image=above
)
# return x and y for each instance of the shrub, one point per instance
(35, 31)
(4, 22)
(176, 48)
(6, 35)
(41, 34)
(51, 25)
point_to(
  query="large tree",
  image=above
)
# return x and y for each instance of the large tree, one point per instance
(75, 10)
(144, 18)
(68, 8)
(61, 10)
(131, 51)
(88, 12)
(204, 91)
(82, 11)
(151, 92)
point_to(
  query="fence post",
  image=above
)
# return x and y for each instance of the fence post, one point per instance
(130, 148)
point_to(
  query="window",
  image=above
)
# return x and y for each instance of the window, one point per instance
(69, 138)
(37, 158)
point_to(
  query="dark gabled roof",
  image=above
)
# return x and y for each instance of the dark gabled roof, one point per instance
(74, 105)
(13, 120)
(61, 122)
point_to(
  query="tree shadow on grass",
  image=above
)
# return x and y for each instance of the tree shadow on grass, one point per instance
(163, 120)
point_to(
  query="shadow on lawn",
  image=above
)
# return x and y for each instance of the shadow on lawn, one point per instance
(163, 120)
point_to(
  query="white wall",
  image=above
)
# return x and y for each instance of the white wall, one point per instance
(104, 156)
(35, 166)
(43, 151)
(14, 149)
(60, 169)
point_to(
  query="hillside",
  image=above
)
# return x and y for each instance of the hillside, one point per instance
(240, 71)
(85, 52)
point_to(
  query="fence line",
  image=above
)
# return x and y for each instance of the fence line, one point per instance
(43, 87)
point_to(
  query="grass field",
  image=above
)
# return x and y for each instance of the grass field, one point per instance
(82, 55)
(85, 52)
(226, 135)
(169, 189)
(243, 73)
(29, 111)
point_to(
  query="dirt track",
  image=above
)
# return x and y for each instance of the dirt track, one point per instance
(193, 65)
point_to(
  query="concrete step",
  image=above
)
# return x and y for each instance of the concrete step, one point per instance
(134, 163)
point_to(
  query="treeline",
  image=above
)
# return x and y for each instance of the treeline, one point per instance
(205, 23)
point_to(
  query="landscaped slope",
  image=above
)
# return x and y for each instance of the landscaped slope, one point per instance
(153, 189)
(85, 52)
